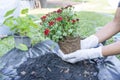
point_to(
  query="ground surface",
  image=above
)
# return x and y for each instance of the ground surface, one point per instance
(93, 5)
(51, 67)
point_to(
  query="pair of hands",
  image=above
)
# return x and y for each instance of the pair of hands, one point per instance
(87, 51)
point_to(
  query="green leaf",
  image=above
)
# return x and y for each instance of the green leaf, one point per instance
(9, 12)
(64, 34)
(29, 34)
(22, 47)
(70, 30)
(59, 33)
(24, 11)
(32, 17)
(7, 19)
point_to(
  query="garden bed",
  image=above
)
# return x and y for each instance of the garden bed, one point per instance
(51, 67)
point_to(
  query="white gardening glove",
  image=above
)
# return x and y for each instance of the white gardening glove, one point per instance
(81, 55)
(89, 42)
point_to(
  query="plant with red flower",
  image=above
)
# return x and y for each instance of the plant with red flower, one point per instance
(46, 31)
(51, 23)
(59, 11)
(59, 19)
(43, 18)
(61, 23)
(73, 21)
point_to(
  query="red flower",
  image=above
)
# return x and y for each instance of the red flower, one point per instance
(51, 23)
(59, 19)
(73, 21)
(46, 31)
(43, 17)
(59, 11)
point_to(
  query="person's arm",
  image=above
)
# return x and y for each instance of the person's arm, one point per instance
(111, 49)
(105, 33)
(110, 29)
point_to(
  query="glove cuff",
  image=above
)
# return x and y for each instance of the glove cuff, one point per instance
(89, 42)
(99, 51)
(95, 53)
(93, 41)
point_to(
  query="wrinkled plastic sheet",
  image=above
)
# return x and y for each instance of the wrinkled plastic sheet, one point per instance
(109, 67)
(15, 57)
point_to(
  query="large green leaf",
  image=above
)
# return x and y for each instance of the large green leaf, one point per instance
(7, 19)
(24, 11)
(22, 47)
(9, 12)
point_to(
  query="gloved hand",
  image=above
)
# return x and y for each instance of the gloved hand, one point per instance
(81, 55)
(90, 42)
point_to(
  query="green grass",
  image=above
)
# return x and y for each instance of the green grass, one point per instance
(89, 21)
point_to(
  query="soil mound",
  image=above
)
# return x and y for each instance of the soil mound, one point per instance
(51, 67)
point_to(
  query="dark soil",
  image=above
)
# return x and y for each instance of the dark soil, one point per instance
(51, 67)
